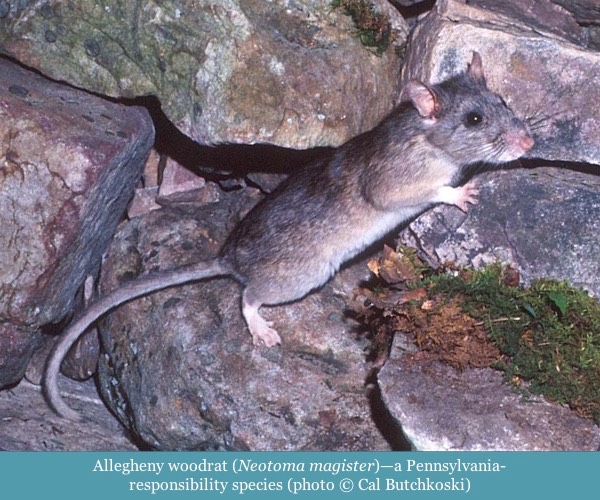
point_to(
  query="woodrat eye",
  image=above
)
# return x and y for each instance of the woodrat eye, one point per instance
(473, 118)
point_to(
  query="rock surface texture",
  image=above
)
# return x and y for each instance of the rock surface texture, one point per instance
(28, 424)
(288, 73)
(68, 164)
(441, 408)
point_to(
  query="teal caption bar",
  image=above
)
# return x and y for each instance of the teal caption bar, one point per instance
(297, 475)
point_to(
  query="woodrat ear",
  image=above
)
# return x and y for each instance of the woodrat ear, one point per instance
(423, 98)
(475, 69)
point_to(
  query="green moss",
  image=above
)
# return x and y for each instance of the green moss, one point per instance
(374, 28)
(549, 332)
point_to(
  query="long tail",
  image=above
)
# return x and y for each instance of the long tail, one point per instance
(127, 292)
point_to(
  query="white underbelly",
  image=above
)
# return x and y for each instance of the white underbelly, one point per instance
(360, 236)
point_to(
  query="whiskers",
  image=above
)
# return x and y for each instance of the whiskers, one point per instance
(494, 155)
(541, 120)
(485, 156)
(496, 151)
(550, 110)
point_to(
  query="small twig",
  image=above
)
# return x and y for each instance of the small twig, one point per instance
(499, 320)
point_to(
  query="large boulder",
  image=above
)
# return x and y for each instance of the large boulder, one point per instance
(288, 73)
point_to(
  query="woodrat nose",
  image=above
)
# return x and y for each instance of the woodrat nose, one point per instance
(519, 140)
(526, 142)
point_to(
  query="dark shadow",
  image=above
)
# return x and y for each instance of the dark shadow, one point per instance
(220, 161)
(583, 168)
(384, 421)
(528, 164)
(414, 10)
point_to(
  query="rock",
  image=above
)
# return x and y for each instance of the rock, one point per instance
(542, 221)
(180, 370)
(585, 11)
(28, 424)
(409, 3)
(144, 201)
(524, 66)
(180, 185)
(288, 73)
(441, 408)
(178, 182)
(542, 15)
(68, 162)
(587, 14)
